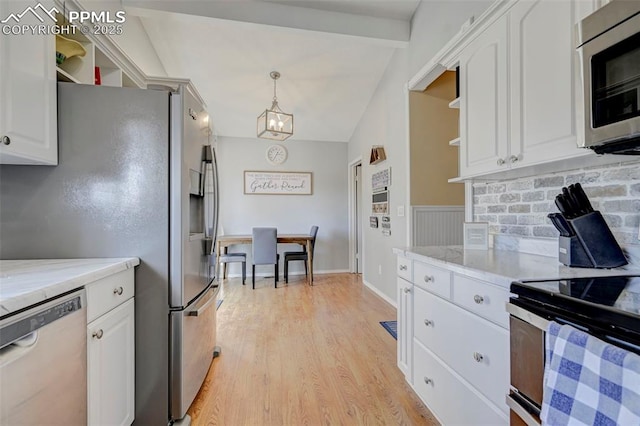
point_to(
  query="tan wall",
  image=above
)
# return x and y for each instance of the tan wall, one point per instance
(432, 125)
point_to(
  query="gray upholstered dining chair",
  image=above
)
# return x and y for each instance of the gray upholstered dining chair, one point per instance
(291, 256)
(234, 257)
(265, 251)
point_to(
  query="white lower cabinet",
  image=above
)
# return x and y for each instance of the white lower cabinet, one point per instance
(456, 356)
(405, 326)
(111, 353)
(447, 396)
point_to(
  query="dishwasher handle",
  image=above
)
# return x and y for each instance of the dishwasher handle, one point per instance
(20, 326)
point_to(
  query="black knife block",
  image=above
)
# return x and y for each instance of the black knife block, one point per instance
(592, 246)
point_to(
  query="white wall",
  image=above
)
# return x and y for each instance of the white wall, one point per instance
(291, 214)
(434, 23)
(384, 123)
(134, 40)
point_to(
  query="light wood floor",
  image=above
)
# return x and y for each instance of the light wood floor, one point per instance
(301, 355)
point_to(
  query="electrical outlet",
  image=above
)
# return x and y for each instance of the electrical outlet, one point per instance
(379, 269)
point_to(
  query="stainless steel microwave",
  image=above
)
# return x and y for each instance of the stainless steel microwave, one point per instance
(608, 43)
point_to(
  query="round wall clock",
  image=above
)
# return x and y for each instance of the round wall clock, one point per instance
(276, 154)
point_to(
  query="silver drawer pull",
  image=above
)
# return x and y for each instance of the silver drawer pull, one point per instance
(6, 140)
(428, 323)
(428, 381)
(478, 356)
(403, 267)
(478, 299)
(118, 291)
(429, 279)
(407, 290)
(97, 334)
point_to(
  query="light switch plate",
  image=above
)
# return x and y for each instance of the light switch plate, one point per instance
(400, 211)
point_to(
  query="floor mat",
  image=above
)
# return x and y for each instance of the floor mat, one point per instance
(391, 327)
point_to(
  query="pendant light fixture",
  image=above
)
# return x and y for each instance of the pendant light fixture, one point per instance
(274, 123)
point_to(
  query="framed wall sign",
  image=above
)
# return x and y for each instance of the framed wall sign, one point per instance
(277, 183)
(476, 235)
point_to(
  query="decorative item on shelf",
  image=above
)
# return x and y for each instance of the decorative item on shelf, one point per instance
(67, 48)
(97, 77)
(377, 154)
(476, 235)
(274, 123)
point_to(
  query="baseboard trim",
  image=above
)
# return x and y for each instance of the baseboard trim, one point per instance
(379, 293)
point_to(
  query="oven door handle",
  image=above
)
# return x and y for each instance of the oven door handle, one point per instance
(521, 412)
(528, 317)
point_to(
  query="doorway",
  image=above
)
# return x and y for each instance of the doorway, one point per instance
(355, 217)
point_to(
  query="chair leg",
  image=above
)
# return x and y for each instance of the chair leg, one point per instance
(253, 276)
(306, 272)
(244, 272)
(286, 271)
(275, 278)
(224, 270)
(277, 272)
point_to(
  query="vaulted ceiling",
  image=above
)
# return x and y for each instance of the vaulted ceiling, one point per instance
(331, 54)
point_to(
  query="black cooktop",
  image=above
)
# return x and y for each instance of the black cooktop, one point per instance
(605, 300)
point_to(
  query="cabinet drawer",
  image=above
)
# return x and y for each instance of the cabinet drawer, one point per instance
(405, 268)
(450, 399)
(484, 299)
(475, 348)
(109, 292)
(433, 279)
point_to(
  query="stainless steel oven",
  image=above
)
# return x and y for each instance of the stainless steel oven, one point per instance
(608, 45)
(606, 307)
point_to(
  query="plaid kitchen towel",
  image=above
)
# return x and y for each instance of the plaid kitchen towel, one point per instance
(588, 381)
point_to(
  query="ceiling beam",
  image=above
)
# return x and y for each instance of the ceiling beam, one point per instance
(388, 32)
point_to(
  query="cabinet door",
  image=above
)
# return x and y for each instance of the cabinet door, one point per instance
(27, 91)
(405, 326)
(111, 367)
(483, 102)
(544, 97)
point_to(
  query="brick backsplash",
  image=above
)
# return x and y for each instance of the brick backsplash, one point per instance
(519, 207)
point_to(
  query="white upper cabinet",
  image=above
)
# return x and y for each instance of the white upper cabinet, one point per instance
(28, 128)
(519, 92)
(483, 101)
(544, 93)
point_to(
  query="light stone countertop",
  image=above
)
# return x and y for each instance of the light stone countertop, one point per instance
(501, 267)
(27, 282)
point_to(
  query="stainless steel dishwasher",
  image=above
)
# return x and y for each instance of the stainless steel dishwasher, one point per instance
(43, 363)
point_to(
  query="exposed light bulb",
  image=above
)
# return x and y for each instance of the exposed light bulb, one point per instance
(280, 125)
(272, 124)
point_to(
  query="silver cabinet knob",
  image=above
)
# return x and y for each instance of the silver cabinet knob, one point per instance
(118, 291)
(403, 267)
(478, 356)
(428, 323)
(6, 140)
(428, 381)
(514, 159)
(428, 279)
(407, 290)
(97, 334)
(478, 299)
(500, 162)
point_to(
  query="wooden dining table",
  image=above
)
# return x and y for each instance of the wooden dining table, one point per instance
(224, 241)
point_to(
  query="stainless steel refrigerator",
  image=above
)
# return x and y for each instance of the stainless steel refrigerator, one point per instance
(135, 178)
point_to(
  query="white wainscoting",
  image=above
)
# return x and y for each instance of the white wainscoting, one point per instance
(437, 225)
